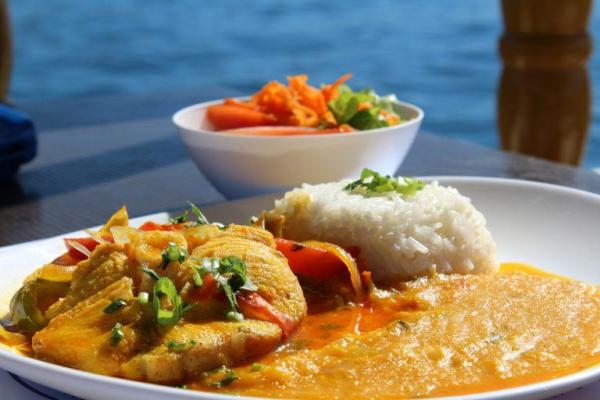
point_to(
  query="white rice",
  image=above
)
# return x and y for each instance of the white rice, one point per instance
(437, 230)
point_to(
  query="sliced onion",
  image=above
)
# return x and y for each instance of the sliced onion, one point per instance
(345, 257)
(79, 247)
(96, 236)
(120, 218)
(271, 221)
(121, 234)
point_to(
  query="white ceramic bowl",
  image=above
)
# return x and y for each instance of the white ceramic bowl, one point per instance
(241, 166)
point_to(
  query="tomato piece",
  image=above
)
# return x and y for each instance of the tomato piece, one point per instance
(309, 261)
(207, 291)
(232, 116)
(88, 243)
(254, 306)
(153, 226)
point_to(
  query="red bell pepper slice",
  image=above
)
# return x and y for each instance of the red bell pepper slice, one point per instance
(153, 226)
(252, 305)
(310, 261)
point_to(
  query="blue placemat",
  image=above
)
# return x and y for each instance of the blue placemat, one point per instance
(18, 142)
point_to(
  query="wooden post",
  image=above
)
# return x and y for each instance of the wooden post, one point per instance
(544, 101)
(5, 51)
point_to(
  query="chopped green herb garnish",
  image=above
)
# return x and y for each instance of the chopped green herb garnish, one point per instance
(174, 345)
(197, 279)
(182, 386)
(184, 217)
(115, 305)
(231, 276)
(219, 225)
(200, 218)
(372, 183)
(257, 367)
(234, 316)
(227, 380)
(143, 297)
(174, 253)
(166, 302)
(116, 334)
(151, 273)
(179, 219)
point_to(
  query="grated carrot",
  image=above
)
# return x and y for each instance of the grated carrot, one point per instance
(297, 104)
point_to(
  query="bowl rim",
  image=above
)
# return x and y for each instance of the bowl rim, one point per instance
(178, 115)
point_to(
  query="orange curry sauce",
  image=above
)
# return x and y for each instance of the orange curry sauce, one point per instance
(425, 340)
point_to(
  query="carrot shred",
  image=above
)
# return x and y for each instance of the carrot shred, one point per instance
(297, 104)
(330, 91)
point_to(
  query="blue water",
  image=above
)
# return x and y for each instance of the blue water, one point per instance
(440, 54)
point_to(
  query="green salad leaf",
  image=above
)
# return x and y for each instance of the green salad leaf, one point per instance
(372, 183)
(345, 107)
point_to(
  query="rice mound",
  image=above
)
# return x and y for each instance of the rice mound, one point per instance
(437, 230)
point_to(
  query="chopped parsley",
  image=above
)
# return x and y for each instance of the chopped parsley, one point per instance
(180, 219)
(184, 217)
(174, 345)
(256, 367)
(200, 218)
(116, 334)
(372, 184)
(228, 377)
(115, 306)
(231, 276)
(151, 273)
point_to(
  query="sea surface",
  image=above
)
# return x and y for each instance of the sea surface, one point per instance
(439, 54)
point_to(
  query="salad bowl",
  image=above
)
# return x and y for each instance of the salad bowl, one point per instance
(245, 165)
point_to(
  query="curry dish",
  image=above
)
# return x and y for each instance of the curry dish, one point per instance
(239, 309)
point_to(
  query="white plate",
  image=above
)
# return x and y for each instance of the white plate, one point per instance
(548, 226)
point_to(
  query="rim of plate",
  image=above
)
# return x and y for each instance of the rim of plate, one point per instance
(176, 119)
(568, 382)
(561, 384)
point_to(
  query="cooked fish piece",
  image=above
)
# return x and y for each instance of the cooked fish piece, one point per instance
(81, 337)
(201, 234)
(106, 265)
(202, 340)
(187, 350)
(267, 268)
(145, 248)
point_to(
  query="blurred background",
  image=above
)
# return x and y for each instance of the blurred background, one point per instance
(441, 55)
